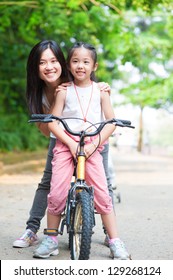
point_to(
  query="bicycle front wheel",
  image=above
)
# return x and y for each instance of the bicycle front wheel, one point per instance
(82, 223)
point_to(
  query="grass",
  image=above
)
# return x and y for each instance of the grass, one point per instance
(19, 157)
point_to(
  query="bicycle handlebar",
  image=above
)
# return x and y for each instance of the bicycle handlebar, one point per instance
(45, 118)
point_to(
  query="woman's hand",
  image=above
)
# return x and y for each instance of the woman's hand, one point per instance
(62, 87)
(104, 87)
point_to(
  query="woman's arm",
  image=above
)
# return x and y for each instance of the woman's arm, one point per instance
(43, 127)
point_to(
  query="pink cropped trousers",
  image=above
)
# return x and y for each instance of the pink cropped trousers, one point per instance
(62, 172)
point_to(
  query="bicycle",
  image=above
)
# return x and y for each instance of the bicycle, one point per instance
(79, 213)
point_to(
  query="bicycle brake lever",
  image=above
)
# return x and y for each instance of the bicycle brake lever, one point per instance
(33, 120)
(119, 123)
(130, 126)
(47, 120)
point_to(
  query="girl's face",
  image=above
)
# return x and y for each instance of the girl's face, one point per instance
(49, 68)
(81, 65)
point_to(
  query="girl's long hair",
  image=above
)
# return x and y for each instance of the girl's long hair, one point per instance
(34, 86)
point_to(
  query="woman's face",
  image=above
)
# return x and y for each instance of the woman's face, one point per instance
(49, 68)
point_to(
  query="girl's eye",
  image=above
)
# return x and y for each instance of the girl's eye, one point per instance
(54, 61)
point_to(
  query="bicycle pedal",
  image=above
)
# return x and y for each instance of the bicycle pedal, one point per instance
(51, 231)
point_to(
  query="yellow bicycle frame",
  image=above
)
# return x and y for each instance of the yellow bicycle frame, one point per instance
(81, 167)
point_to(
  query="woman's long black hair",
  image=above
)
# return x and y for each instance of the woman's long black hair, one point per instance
(34, 86)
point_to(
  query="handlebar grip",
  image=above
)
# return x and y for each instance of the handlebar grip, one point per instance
(39, 116)
(125, 122)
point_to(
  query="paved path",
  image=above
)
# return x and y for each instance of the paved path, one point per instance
(145, 215)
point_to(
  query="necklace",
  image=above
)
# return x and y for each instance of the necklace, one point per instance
(84, 115)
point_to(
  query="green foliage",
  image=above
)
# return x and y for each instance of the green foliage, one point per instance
(148, 5)
(16, 134)
(146, 92)
(153, 46)
(139, 32)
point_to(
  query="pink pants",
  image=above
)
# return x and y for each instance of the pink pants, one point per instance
(62, 172)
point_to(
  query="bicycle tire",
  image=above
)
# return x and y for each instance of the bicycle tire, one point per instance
(82, 223)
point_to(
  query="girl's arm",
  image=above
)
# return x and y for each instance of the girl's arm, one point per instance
(107, 130)
(56, 129)
(109, 114)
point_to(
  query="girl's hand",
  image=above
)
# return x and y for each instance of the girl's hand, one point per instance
(62, 87)
(73, 148)
(89, 149)
(104, 87)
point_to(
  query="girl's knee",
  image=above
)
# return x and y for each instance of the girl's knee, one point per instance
(105, 210)
(56, 207)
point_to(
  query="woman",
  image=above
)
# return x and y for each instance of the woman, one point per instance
(46, 70)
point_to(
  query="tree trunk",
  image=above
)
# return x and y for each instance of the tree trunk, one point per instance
(140, 137)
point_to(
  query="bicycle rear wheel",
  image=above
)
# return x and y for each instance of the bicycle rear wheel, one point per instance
(82, 223)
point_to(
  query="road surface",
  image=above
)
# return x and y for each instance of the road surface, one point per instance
(144, 216)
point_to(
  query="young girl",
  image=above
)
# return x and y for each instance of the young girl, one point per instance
(82, 99)
(46, 71)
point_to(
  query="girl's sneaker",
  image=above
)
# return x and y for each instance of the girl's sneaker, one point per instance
(27, 239)
(47, 248)
(106, 241)
(118, 250)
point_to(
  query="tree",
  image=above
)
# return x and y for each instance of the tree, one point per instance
(151, 57)
(110, 25)
(102, 23)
